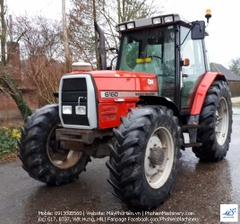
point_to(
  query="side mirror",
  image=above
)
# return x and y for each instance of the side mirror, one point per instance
(198, 30)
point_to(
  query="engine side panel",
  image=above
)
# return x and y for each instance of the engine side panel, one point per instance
(119, 91)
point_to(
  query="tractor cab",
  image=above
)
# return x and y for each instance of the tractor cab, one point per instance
(169, 47)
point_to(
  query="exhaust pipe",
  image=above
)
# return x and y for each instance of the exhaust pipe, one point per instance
(101, 46)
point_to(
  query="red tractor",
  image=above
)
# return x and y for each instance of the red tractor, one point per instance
(137, 114)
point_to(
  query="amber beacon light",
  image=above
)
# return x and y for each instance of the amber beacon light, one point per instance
(208, 14)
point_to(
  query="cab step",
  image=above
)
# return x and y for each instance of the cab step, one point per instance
(194, 144)
(190, 126)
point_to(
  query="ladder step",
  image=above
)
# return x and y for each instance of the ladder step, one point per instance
(194, 144)
(190, 126)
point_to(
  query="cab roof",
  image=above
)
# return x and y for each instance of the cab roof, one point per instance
(160, 20)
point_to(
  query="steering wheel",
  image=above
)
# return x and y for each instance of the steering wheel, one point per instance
(155, 56)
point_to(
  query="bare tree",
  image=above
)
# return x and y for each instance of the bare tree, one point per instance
(42, 55)
(6, 79)
(81, 31)
(235, 66)
(44, 75)
(42, 37)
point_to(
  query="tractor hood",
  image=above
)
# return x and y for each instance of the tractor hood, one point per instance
(90, 99)
(122, 84)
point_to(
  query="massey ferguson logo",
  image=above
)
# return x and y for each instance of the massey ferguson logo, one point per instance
(113, 94)
(150, 82)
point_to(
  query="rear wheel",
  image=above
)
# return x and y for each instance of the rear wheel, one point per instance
(216, 123)
(41, 154)
(145, 156)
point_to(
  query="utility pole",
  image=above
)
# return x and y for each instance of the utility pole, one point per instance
(65, 37)
(11, 28)
(96, 35)
(4, 33)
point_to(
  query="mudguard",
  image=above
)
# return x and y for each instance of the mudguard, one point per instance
(202, 89)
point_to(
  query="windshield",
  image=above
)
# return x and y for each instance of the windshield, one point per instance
(148, 50)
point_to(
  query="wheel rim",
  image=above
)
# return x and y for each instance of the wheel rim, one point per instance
(61, 158)
(222, 121)
(159, 157)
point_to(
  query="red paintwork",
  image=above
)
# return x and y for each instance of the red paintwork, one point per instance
(109, 113)
(124, 81)
(111, 109)
(201, 92)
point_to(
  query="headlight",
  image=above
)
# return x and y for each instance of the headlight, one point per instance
(67, 109)
(168, 19)
(156, 20)
(122, 27)
(80, 110)
(130, 25)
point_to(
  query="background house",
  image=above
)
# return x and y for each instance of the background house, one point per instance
(232, 78)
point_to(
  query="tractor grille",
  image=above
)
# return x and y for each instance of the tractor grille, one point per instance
(74, 91)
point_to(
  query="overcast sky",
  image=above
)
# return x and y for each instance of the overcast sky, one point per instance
(224, 32)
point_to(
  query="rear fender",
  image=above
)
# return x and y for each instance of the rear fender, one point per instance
(202, 89)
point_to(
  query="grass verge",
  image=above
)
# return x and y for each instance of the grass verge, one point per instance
(236, 104)
(8, 144)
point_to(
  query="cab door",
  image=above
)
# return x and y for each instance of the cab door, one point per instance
(193, 50)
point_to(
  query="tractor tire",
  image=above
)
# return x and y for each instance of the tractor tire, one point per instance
(215, 123)
(144, 157)
(39, 152)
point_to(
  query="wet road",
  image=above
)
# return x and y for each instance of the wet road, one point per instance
(199, 190)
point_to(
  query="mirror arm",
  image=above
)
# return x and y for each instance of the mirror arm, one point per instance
(186, 36)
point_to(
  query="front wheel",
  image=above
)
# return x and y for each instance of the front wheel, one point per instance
(145, 156)
(215, 123)
(41, 154)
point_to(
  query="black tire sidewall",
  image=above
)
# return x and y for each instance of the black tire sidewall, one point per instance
(211, 150)
(126, 164)
(33, 149)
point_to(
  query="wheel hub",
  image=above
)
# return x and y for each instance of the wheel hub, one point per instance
(156, 156)
(159, 157)
(222, 121)
(61, 158)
